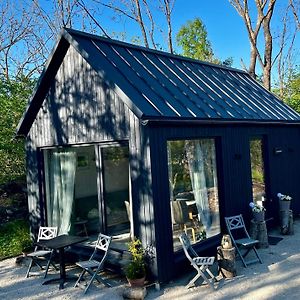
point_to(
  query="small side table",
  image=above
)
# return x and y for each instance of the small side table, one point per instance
(81, 227)
(226, 262)
(258, 231)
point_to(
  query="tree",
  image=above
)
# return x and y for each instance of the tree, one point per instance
(193, 39)
(292, 92)
(258, 52)
(142, 13)
(13, 99)
(194, 42)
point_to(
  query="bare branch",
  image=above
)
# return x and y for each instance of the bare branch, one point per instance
(81, 3)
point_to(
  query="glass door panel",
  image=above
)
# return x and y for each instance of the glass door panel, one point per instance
(115, 167)
(71, 190)
(257, 170)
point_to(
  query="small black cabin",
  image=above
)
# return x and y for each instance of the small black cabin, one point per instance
(129, 141)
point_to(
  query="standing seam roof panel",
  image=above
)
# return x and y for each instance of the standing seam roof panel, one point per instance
(182, 95)
(265, 108)
(174, 77)
(184, 87)
(215, 94)
(209, 100)
(245, 99)
(265, 103)
(238, 105)
(150, 79)
(272, 100)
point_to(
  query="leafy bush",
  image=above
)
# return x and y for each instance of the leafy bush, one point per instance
(136, 267)
(14, 238)
(13, 100)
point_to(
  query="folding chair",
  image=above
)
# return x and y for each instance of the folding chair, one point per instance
(201, 264)
(241, 239)
(41, 254)
(94, 265)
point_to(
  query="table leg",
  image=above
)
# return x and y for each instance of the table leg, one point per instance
(62, 269)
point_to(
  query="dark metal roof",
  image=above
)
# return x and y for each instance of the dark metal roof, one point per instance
(161, 86)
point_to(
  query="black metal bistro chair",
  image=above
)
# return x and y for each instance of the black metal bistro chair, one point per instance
(94, 266)
(241, 239)
(201, 264)
(40, 255)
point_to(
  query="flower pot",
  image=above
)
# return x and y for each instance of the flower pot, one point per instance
(259, 216)
(138, 282)
(284, 205)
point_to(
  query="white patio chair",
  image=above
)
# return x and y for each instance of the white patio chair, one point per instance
(241, 239)
(40, 255)
(201, 264)
(94, 265)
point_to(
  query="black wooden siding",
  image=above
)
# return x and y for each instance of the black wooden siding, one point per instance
(80, 108)
(234, 178)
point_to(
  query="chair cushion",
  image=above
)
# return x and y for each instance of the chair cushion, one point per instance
(88, 264)
(39, 253)
(246, 242)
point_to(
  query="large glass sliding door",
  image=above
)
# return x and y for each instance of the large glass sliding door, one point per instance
(87, 190)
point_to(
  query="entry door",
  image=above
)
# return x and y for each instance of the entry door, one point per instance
(115, 190)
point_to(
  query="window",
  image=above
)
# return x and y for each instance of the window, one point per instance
(257, 169)
(194, 189)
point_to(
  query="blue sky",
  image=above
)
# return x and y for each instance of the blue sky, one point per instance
(225, 27)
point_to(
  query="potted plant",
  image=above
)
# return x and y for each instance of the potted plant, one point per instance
(135, 270)
(284, 202)
(258, 212)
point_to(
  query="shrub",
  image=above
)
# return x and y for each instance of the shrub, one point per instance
(14, 238)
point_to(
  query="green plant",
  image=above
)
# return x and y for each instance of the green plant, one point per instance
(136, 268)
(14, 238)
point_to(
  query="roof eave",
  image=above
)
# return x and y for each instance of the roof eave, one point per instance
(197, 121)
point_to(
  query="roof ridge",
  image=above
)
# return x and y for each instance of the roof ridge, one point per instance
(150, 50)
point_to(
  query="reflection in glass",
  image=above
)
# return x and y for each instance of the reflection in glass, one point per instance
(116, 190)
(193, 189)
(257, 170)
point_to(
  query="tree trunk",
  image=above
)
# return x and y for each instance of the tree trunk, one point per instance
(252, 65)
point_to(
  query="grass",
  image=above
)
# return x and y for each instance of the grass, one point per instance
(14, 238)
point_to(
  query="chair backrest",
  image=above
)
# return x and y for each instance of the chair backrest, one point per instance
(47, 233)
(103, 244)
(236, 223)
(189, 252)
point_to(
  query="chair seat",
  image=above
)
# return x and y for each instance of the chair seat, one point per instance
(92, 266)
(88, 264)
(246, 242)
(39, 253)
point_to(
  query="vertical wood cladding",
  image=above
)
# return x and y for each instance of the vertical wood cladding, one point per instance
(80, 108)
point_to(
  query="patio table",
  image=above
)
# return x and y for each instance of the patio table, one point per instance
(60, 243)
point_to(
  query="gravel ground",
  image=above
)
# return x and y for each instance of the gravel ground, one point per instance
(277, 278)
